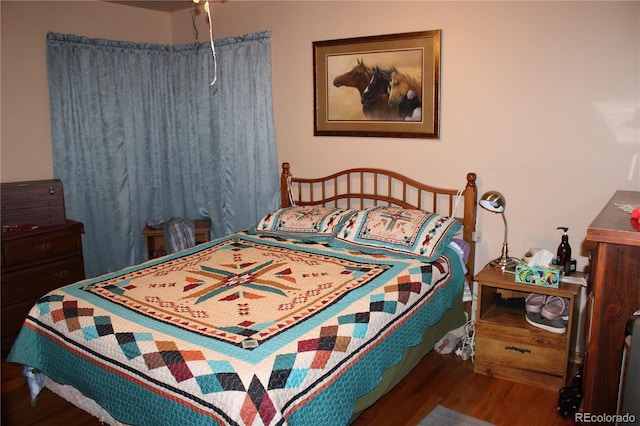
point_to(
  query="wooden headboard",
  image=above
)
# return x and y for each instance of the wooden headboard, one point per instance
(363, 187)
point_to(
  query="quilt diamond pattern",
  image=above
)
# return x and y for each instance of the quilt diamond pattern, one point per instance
(230, 294)
(232, 361)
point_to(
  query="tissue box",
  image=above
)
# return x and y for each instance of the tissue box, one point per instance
(544, 276)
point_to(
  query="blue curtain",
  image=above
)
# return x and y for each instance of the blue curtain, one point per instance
(139, 134)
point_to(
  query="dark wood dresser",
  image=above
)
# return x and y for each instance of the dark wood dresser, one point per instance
(613, 296)
(33, 263)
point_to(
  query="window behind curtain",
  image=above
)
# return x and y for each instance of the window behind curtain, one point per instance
(140, 134)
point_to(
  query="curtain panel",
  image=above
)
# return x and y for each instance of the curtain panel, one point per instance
(139, 134)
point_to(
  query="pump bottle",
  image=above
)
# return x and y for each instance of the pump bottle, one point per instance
(564, 252)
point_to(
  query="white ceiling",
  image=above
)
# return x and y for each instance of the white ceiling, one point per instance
(162, 5)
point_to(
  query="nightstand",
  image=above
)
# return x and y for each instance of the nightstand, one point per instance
(154, 237)
(507, 346)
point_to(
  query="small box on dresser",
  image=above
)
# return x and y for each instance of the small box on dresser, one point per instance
(38, 202)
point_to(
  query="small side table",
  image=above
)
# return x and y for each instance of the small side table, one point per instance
(507, 346)
(154, 237)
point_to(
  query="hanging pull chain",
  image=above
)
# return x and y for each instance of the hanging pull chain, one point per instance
(213, 48)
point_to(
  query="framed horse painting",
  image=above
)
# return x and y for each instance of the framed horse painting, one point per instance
(382, 86)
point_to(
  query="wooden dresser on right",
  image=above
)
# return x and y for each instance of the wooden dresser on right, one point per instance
(613, 296)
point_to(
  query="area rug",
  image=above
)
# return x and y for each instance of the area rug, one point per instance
(443, 416)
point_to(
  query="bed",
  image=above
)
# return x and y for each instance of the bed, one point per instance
(316, 312)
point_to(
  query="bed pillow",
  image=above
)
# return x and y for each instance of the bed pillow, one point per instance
(399, 231)
(318, 223)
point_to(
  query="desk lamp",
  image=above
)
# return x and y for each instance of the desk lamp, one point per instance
(495, 202)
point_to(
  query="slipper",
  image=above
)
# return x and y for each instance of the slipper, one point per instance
(534, 302)
(555, 326)
(447, 344)
(554, 308)
(450, 341)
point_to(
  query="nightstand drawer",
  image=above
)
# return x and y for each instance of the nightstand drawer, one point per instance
(44, 246)
(524, 348)
(32, 283)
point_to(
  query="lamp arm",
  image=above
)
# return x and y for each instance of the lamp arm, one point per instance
(504, 262)
(505, 248)
(506, 228)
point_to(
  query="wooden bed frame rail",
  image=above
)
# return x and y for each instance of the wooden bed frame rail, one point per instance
(364, 187)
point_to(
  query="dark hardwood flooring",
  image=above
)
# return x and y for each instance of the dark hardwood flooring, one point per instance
(438, 379)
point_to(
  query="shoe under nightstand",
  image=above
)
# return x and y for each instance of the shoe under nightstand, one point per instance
(507, 346)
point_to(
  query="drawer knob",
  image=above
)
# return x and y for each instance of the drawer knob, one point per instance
(52, 190)
(517, 349)
(61, 274)
(43, 247)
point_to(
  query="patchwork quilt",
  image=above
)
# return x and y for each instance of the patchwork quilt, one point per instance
(243, 330)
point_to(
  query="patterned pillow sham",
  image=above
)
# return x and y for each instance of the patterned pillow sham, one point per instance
(399, 231)
(318, 223)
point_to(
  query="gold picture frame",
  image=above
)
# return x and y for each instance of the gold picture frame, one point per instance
(401, 98)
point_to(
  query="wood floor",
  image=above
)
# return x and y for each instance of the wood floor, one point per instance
(438, 379)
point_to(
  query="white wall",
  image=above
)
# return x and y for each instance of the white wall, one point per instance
(540, 99)
(25, 133)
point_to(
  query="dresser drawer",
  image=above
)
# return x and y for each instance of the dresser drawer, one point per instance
(526, 348)
(32, 283)
(38, 247)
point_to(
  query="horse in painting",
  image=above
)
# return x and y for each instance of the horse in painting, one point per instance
(378, 86)
(409, 108)
(359, 78)
(406, 91)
